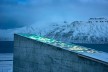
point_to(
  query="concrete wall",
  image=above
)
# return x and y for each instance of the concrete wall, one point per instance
(34, 56)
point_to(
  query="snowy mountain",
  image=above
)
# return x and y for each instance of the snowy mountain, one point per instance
(38, 29)
(92, 31)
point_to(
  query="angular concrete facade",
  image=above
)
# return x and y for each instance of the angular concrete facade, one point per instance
(36, 56)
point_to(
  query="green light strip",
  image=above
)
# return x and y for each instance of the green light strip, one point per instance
(60, 44)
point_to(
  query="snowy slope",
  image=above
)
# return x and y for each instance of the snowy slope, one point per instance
(38, 29)
(77, 31)
(81, 32)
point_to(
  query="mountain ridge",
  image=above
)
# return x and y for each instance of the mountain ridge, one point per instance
(92, 31)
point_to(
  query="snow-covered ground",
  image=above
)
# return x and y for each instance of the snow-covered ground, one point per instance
(6, 62)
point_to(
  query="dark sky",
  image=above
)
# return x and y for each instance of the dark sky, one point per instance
(19, 13)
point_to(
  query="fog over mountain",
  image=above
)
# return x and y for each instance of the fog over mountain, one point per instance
(16, 15)
(92, 31)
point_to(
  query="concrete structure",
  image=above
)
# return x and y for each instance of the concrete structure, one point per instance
(6, 62)
(98, 20)
(38, 54)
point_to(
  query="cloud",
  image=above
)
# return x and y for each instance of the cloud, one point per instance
(25, 12)
(21, 13)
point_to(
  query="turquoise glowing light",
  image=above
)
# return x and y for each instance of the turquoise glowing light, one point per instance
(60, 44)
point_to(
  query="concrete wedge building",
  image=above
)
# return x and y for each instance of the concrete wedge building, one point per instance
(39, 54)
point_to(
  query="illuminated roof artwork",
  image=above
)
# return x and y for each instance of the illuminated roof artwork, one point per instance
(80, 50)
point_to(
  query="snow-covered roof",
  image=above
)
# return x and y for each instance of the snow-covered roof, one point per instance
(93, 54)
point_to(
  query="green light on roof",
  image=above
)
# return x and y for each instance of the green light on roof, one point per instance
(60, 44)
